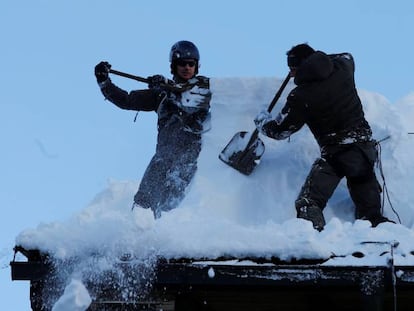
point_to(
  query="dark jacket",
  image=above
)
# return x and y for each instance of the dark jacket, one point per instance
(326, 100)
(165, 102)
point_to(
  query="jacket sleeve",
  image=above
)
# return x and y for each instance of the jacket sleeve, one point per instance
(139, 100)
(289, 120)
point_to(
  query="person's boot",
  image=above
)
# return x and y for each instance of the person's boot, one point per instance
(313, 214)
(379, 220)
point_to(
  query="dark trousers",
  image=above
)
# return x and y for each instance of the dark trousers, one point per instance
(355, 162)
(170, 171)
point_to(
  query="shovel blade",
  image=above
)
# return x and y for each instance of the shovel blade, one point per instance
(241, 156)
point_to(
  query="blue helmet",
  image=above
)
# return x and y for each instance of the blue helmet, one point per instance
(184, 49)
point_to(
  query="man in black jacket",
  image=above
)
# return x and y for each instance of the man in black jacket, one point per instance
(182, 118)
(326, 100)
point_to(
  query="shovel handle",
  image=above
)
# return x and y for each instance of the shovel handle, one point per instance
(127, 75)
(179, 88)
(279, 92)
(255, 134)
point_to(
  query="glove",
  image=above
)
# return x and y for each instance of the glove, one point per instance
(155, 82)
(261, 119)
(196, 98)
(102, 71)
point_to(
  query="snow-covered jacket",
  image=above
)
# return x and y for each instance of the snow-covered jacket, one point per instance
(326, 100)
(190, 108)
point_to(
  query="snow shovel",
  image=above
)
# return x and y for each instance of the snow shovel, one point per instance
(243, 152)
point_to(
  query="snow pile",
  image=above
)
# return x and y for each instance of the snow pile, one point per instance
(228, 214)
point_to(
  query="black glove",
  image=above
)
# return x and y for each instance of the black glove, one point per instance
(102, 71)
(154, 82)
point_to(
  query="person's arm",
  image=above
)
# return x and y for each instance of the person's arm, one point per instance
(144, 100)
(289, 120)
(136, 100)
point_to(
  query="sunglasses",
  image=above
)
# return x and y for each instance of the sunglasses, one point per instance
(183, 63)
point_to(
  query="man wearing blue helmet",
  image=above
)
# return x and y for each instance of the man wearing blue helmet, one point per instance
(182, 118)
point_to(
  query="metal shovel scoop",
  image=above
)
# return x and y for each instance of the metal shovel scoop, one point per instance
(244, 151)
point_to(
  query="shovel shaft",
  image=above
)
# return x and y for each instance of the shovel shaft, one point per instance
(279, 92)
(127, 75)
(179, 88)
(272, 104)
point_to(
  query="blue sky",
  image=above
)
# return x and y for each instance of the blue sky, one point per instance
(54, 159)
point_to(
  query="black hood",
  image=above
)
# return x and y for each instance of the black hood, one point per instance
(316, 67)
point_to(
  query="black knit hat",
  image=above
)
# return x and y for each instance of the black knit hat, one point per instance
(297, 54)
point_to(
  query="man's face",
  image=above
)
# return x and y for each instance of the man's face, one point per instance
(186, 68)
